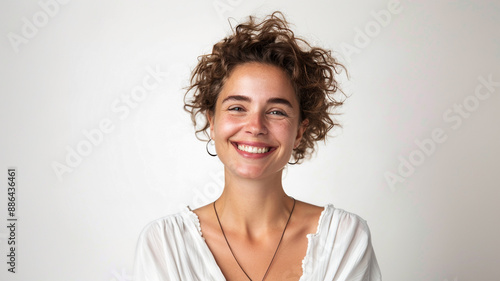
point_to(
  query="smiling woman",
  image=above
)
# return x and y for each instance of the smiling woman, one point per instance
(256, 124)
(267, 97)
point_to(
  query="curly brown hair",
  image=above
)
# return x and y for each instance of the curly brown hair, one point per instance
(312, 71)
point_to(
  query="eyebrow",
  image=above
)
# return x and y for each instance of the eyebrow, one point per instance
(236, 98)
(248, 99)
(280, 101)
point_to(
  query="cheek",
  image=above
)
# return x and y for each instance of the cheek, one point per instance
(286, 131)
(226, 126)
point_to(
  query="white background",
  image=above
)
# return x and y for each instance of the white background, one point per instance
(438, 222)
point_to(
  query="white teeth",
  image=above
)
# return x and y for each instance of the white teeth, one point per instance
(253, 149)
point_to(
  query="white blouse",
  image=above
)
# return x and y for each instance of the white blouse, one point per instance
(173, 249)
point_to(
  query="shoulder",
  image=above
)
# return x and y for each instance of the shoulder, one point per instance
(163, 246)
(328, 220)
(341, 247)
(344, 225)
(343, 217)
(163, 222)
(169, 226)
(170, 237)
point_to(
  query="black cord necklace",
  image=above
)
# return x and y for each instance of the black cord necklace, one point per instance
(275, 252)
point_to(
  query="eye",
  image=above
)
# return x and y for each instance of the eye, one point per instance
(235, 108)
(278, 112)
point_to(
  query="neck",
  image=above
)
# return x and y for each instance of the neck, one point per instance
(254, 207)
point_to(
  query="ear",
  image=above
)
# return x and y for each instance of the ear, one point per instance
(300, 132)
(210, 118)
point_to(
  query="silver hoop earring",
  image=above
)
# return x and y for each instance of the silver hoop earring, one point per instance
(293, 163)
(296, 160)
(208, 151)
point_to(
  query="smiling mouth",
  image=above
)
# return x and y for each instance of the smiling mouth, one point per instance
(253, 149)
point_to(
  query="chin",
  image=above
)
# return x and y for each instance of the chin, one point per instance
(255, 172)
(250, 173)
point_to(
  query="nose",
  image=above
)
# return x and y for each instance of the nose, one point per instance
(256, 124)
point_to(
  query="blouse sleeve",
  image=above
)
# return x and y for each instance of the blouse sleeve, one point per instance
(359, 262)
(172, 249)
(150, 263)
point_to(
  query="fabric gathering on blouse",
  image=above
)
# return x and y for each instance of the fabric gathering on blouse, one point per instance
(173, 249)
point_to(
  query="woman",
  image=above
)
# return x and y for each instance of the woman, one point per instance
(266, 96)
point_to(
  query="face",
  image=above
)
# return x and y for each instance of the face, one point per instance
(255, 125)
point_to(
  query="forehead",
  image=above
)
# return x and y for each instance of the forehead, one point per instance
(259, 81)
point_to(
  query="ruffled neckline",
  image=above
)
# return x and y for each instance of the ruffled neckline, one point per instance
(195, 220)
(307, 258)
